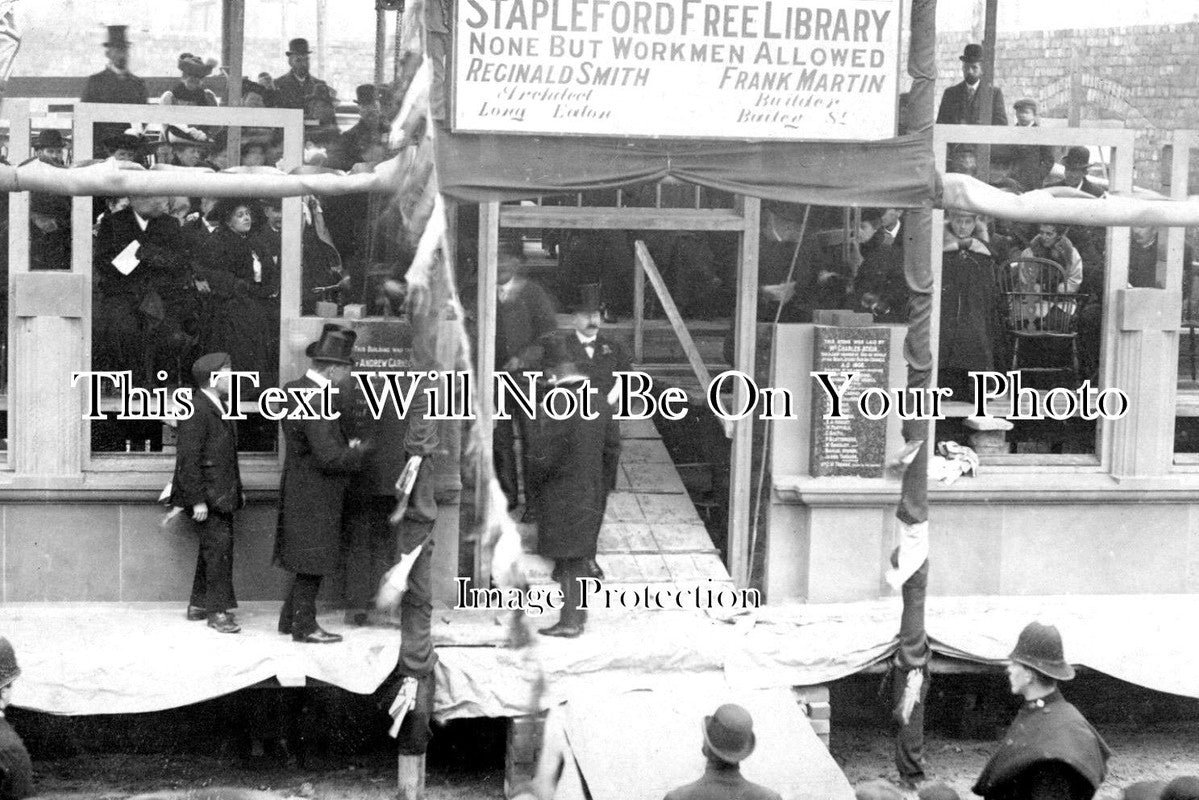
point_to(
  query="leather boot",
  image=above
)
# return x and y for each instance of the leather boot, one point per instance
(411, 773)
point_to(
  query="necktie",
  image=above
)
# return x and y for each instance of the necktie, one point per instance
(590, 348)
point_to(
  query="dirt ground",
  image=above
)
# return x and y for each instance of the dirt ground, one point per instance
(1161, 750)
(1158, 751)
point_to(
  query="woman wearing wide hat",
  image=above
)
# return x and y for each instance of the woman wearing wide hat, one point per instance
(244, 279)
(1050, 752)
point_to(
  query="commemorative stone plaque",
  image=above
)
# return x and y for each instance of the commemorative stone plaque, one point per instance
(852, 445)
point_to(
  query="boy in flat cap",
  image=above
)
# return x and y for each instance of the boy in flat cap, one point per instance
(207, 486)
(16, 770)
(1031, 165)
(1050, 752)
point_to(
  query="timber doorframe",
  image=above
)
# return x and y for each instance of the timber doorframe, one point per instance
(743, 219)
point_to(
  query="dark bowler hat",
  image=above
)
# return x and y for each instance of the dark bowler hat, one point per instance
(1040, 649)
(1078, 157)
(972, 54)
(729, 733)
(8, 663)
(336, 344)
(207, 364)
(298, 47)
(1025, 102)
(586, 299)
(48, 138)
(366, 94)
(1185, 787)
(124, 141)
(871, 214)
(117, 37)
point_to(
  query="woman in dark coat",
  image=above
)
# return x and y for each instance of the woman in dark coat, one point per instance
(568, 492)
(970, 306)
(244, 279)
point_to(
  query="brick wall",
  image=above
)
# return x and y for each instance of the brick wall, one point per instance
(1146, 77)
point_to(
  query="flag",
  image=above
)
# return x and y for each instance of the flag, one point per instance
(10, 38)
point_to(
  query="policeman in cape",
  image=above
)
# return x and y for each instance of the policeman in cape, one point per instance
(1050, 752)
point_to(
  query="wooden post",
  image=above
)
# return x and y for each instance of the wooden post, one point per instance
(322, 15)
(489, 246)
(986, 89)
(638, 312)
(380, 43)
(233, 40)
(740, 481)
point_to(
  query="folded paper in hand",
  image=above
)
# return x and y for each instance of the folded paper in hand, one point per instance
(127, 260)
(405, 700)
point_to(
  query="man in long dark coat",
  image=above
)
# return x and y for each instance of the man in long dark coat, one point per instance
(569, 492)
(114, 84)
(959, 103)
(297, 87)
(312, 490)
(207, 486)
(133, 323)
(1050, 752)
(524, 314)
(599, 358)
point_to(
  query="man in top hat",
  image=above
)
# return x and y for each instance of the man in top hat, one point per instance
(960, 104)
(16, 770)
(296, 88)
(1050, 752)
(312, 490)
(567, 489)
(728, 740)
(115, 83)
(599, 358)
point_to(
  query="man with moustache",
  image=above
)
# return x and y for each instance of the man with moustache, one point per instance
(1050, 752)
(959, 103)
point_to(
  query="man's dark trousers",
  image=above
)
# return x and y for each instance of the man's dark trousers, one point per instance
(212, 586)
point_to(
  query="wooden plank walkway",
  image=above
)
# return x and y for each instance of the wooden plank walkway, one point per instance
(652, 533)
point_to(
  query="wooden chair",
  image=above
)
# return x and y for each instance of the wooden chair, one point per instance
(1039, 309)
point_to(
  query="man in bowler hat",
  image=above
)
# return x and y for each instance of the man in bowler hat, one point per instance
(16, 770)
(1050, 752)
(114, 84)
(207, 486)
(959, 103)
(296, 88)
(312, 490)
(728, 740)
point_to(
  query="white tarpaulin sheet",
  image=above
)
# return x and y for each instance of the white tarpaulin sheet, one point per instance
(127, 658)
(666, 725)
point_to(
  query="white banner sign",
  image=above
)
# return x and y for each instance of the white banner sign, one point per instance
(758, 69)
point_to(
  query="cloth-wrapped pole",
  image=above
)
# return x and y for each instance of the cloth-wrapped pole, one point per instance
(1067, 206)
(108, 178)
